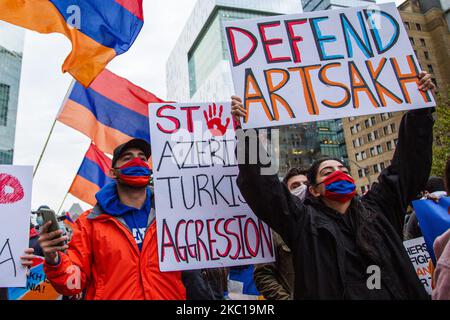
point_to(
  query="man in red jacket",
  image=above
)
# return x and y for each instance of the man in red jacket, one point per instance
(113, 253)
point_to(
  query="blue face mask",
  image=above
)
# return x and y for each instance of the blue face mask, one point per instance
(40, 220)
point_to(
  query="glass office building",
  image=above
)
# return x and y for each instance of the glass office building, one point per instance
(316, 5)
(11, 48)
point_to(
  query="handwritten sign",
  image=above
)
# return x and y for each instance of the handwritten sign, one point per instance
(324, 65)
(202, 219)
(15, 209)
(38, 286)
(419, 256)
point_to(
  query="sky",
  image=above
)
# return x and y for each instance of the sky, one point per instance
(43, 88)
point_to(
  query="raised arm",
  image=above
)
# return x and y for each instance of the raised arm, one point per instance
(410, 168)
(69, 272)
(266, 195)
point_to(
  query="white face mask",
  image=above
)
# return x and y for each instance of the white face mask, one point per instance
(300, 192)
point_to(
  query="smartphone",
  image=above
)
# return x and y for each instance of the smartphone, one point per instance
(49, 215)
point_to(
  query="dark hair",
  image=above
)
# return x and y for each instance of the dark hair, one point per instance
(294, 172)
(447, 176)
(312, 172)
(435, 184)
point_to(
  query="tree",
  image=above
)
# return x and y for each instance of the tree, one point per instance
(441, 145)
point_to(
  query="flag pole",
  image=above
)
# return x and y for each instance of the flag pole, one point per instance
(45, 147)
(62, 203)
(53, 127)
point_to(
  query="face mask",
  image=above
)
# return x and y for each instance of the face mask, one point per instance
(40, 220)
(300, 192)
(135, 173)
(339, 187)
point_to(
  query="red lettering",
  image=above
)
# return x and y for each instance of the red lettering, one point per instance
(271, 42)
(293, 38)
(190, 123)
(174, 120)
(235, 59)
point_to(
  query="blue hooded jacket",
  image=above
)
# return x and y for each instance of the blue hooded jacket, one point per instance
(136, 219)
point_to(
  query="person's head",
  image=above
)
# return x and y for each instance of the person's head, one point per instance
(295, 178)
(296, 181)
(130, 164)
(330, 178)
(434, 184)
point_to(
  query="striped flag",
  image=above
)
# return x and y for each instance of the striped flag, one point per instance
(434, 220)
(110, 112)
(92, 175)
(98, 29)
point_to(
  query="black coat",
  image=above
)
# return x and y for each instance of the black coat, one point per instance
(313, 232)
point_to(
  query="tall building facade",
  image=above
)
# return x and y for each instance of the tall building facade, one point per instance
(371, 140)
(198, 68)
(316, 5)
(11, 47)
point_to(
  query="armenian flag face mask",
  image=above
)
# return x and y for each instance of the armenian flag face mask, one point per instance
(339, 187)
(135, 173)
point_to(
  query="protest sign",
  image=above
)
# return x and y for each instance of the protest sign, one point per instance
(38, 286)
(434, 220)
(419, 256)
(323, 65)
(15, 210)
(202, 219)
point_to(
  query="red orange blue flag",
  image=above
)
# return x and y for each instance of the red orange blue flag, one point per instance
(92, 175)
(98, 29)
(111, 111)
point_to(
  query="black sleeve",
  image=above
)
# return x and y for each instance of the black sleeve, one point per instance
(410, 168)
(265, 194)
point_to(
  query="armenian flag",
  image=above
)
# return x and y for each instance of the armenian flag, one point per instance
(98, 29)
(434, 220)
(110, 112)
(92, 176)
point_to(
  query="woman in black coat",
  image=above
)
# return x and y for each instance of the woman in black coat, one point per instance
(344, 246)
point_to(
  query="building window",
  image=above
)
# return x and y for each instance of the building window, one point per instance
(382, 166)
(427, 55)
(361, 141)
(370, 137)
(375, 168)
(373, 153)
(430, 68)
(352, 130)
(358, 157)
(375, 134)
(423, 43)
(352, 118)
(4, 101)
(412, 41)
(384, 116)
(358, 127)
(360, 173)
(379, 149)
(407, 26)
(386, 130)
(373, 120)
(395, 142)
(418, 27)
(389, 145)
(435, 82)
(366, 123)
(392, 127)
(363, 155)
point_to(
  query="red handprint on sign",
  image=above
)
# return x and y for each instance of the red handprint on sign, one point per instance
(214, 122)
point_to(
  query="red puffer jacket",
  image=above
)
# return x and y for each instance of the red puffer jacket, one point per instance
(111, 267)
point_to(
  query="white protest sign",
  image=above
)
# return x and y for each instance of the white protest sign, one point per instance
(202, 219)
(419, 256)
(324, 65)
(15, 210)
